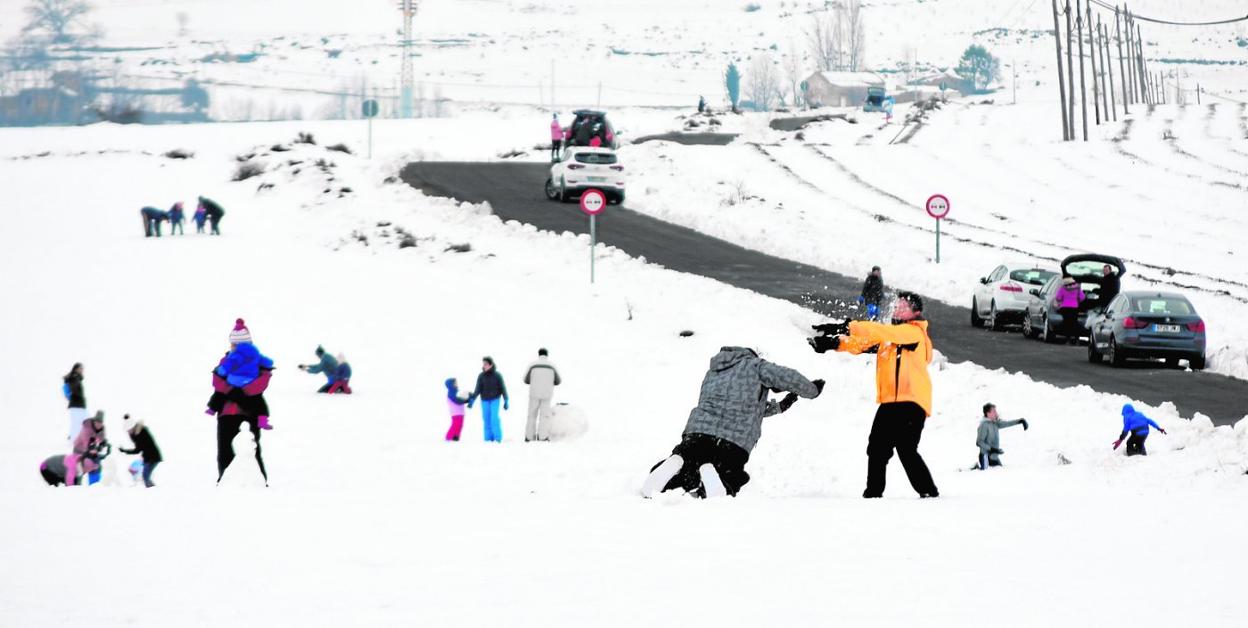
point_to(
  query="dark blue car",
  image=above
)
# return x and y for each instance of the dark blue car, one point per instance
(1148, 325)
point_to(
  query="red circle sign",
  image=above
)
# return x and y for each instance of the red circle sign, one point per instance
(938, 206)
(593, 202)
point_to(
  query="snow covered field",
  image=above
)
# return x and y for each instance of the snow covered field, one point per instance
(373, 520)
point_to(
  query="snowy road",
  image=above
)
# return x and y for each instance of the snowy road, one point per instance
(514, 190)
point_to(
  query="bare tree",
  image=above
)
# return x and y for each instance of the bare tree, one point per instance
(762, 82)
(793, 71)
(837, 38)
(824, 38)
(853, 35)
(61, 21)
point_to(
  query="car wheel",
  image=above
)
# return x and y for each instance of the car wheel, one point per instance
(994, 318)
(1046, 330)
(1094, 356)
(1115, 354)
(619, 199)
(552, 192)
(1197, 363)
(976, 321)
(1029, 330)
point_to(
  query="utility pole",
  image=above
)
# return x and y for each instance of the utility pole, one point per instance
(1014, 70)
(1061, 80)
(1070, 70)
(1139, 55)
(1122, 65)
(1083, 88)
(1198, 93)
(406, 80)
(1113, 101)
(1131, 65)
(1096, 94)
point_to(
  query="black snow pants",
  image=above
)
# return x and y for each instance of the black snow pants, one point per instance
(227, 429)
(897, 426)
(1135, 444)
(698, 449)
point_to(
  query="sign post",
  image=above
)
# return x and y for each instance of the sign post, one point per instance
(370, 112)
(938, 208)
(592, 203)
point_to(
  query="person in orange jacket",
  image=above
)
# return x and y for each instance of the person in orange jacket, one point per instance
(903, 388)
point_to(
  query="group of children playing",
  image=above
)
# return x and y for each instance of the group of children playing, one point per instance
(90, 449)
(207, 211)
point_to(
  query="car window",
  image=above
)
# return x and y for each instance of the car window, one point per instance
(1116, 305)
(1051, 287)
(1163, 306)
(1084, 268)
(1034, 277)
(596, 158)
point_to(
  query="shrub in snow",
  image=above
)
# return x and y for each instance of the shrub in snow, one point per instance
(341, 148)
(752, 7)
(305, 138)
(247, 170)
(178, 153)
(459, 248)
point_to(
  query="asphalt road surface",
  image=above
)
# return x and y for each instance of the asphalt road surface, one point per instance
(515, 191)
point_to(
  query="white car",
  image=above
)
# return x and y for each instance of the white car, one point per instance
(582, 168)
(1001, 297)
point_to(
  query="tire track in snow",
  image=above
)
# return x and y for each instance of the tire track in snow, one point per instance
(1168, 276)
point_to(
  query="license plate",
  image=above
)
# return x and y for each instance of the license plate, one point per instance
(1166, 329)
(597, 179)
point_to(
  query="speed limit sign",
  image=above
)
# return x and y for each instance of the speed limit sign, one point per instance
(593, 202)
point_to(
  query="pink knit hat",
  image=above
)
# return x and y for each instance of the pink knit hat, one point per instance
(240, 333)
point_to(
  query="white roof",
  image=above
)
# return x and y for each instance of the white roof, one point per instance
(853, 79)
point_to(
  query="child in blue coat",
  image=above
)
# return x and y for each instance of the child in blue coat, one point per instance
(1135, 424)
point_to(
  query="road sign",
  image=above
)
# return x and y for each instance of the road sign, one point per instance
(938, 206)
(593, 202)
(370, 109)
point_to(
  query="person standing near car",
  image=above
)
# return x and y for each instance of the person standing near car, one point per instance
(556, 137)
(1068, 298)
(872, 293)
(1111, 285)
(903, 390)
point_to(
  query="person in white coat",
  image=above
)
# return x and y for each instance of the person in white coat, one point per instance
(542, 377)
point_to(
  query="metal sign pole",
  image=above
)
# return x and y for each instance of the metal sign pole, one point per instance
(593, 241)
(937, 240)
(370, 137)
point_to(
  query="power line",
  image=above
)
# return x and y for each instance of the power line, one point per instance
(1106, 5)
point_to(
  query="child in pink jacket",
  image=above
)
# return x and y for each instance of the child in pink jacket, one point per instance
(455, 404)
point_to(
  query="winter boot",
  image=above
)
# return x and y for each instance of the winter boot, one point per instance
(661, 475)
(711, 482)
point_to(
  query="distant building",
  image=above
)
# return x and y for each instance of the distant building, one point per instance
(839, 89)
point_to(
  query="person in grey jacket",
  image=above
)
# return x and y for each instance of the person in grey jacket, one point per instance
(542, 377)
(726, 424)
(988, 438)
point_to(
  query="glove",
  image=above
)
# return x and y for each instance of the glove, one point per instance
(788, 401)
(1026, 426)
(861, 300)
(818, 386)
(823, 344)
(506, 404)
(1161, 430)
(469, 404)
(832, 329)
(1117, 443)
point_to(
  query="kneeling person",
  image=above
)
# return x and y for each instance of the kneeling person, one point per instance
(726, 424)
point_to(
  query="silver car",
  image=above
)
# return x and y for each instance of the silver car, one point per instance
(1002, 295)
(1148, 325)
